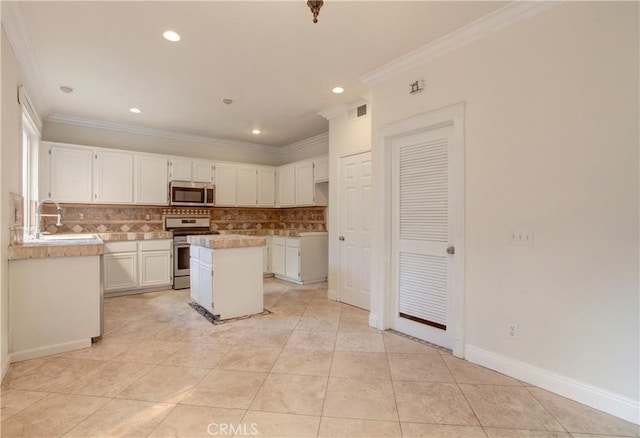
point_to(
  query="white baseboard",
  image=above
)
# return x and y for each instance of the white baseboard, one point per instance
(5, 366)
(49, 350)
(373, 321)
(603, 400)
(332, 294)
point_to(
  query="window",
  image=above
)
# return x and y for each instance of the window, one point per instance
(30, 144)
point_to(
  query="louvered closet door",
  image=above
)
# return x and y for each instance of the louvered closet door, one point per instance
(422, 200)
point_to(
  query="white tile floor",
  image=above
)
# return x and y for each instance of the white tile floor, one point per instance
(312, 368)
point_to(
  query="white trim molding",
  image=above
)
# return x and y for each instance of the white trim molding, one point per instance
(302, 144)
(598, 398)
(5, 366)
(131, 129)
(49, 350)
(20, 41)
(468, 34)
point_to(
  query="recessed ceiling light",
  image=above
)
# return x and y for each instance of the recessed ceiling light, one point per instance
(170, 35)
(66, 89)
(135, 110)
(256, 131)
(338, 90)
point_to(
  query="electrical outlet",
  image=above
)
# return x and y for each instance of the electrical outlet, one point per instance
(521, 236)
(512, 330)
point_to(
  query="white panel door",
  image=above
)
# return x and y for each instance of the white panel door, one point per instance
(71, 174)
(286, 186)
(120, 271)
(355, 230)
(247, 186)
(305, 186)
(278, 259)
(155, 268)
(180, 169)
(226, 184)
(292, 262)
(206, 285)
(266, 187)
(202, 171)
(113, 177)
(422, 213)
(151, 180)
(194, 279)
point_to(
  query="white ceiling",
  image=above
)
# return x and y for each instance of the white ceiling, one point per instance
(268, 57)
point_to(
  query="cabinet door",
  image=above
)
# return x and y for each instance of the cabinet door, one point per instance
(180, 170)
(305, 186)
(70, 174)
(194, 279)
(286, 186)
(202, 171)
(155, 268)
(113, 177)
(205, 284)
(226, 184)
(278, 259)
(151, 180)
(321, 170)
(120, 271)
(265, 259)
(266, 187)
(247, 186)
(292, 263)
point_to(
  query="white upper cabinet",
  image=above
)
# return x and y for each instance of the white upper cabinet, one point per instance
(202, 171)
(151, 180)
(180, 169)
(266, 187)
(113, 177)
(304, 184)
(247, 186)
(226, 177)
(70, 174)
(286, 186)
(321, 170)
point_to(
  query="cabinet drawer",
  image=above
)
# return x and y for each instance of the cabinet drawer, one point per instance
(293, 242)
(206, 256)
(279, 240)
(155, 245)
(127, 246)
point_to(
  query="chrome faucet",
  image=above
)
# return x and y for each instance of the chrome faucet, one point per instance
(39, 215)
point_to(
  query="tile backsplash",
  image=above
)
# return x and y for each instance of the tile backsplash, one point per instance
(91, 218)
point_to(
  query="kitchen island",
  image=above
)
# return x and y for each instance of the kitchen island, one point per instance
(226, 274)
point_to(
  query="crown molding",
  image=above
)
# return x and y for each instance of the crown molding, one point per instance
(493, 22)
(307, 142)
(14, 25)
(131, 129)
(334, 112)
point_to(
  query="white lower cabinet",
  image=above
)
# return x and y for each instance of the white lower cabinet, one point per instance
(302, 260)
(137, 265)
(266, 256)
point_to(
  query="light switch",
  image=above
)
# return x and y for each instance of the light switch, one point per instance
(521, 236)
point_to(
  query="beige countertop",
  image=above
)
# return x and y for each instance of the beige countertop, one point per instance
(226, 241)
(38, 249)
(285, 233)
(150, 235)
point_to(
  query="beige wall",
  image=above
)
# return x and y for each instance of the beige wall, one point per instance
(311, 149)
(551, 138)
(346, 137)
(11, 175)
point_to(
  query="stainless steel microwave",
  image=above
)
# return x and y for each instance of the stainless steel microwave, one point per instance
(192, 194)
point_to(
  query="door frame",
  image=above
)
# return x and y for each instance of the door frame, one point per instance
(339, 209)
(384, 294)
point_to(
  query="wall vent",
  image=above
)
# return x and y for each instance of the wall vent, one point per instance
(358, 112)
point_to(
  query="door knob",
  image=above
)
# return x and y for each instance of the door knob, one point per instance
(341, 238)
(451, 250)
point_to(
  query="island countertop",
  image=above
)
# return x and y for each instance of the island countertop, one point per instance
(226, 241)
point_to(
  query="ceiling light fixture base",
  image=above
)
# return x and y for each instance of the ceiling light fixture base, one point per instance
(315, 6)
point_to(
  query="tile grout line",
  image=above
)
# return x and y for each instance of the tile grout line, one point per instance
(547, 410)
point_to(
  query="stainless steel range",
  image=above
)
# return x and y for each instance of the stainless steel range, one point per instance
(183, 226)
